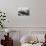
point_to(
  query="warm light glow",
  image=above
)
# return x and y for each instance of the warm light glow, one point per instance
(7, 30)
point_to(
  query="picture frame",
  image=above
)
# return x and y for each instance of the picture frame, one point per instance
(23, 12)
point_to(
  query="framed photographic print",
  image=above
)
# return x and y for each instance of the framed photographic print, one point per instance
(23, 12)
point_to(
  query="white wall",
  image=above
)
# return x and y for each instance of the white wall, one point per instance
(14, 19)
(36, 20)
(37, 16)
(38, 13)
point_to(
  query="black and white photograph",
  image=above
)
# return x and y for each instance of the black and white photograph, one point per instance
(23, 12)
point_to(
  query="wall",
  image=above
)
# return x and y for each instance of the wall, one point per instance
(38, 13)
(37, 16)
(35, 22)
(14, 19)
